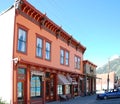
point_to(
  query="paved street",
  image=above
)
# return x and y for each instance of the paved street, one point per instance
(88, 100)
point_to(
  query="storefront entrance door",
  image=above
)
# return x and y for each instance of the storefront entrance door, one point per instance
(50, 91)
(21, 86)
(21, 92)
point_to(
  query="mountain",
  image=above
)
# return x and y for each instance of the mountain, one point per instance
(114, 65)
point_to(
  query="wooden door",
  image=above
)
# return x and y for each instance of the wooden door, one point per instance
(21, 92)
(21, 86)
(50, 91)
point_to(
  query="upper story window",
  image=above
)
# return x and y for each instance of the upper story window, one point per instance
(91, 70)
(67, 58)
(39, 48)
(61, 56)
(64, 57)
(48, 51)
(22, 40)
(77, 62)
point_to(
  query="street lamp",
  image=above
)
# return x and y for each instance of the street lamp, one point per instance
(108, 79)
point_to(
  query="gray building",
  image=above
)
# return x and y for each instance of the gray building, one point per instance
(90, 77)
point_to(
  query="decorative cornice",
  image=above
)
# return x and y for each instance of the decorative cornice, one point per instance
(42, 20)
(58, 32)
(70, 40)
(78, 46)
(90, 63)
(17, 4)
(45, 22)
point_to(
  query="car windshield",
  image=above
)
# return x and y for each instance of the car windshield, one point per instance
(113, 90)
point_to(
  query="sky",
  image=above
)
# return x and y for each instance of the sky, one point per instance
(93, 23)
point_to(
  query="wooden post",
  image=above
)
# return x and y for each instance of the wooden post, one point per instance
(72, 87)
(15, 84)
(89, 85)
(56, 86)
(44, 90)
(28, 84)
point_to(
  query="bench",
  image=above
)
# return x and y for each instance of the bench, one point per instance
(63, 97)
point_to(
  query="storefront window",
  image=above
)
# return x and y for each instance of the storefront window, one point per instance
(36, 86)
(75, 88)
(60, 89)
(67, 89)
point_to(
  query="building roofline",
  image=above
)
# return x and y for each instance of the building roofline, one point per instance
(3, 12)
(29, 9)
(89, 62)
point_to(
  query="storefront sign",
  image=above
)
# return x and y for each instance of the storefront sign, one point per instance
(39, 73)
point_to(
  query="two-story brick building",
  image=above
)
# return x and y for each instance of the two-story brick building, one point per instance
(39, 60)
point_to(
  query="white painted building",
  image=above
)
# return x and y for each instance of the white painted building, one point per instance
(6, 53)
(101, 82)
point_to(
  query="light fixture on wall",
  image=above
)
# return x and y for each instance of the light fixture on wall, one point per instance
(15, 60)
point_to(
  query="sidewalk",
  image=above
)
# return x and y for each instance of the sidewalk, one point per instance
(76, 100)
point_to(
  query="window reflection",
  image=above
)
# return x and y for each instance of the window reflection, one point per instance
(21, 40)
(47, 56)
(60, 89)
(36, 86)
(20, 90)
(39, 47)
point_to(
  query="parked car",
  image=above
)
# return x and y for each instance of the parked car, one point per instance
(113, 93)
(100, 91)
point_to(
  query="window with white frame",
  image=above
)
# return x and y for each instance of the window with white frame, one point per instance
(61, 56)
(48, 51)
(64, 57)
(78, 65)
(22, 40)
(39, 48)
(77, 62)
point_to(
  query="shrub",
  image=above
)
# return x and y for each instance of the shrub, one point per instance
(2, 102)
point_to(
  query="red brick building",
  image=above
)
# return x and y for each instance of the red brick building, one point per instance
(42, 60)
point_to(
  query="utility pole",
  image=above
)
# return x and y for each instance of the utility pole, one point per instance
(108, 79)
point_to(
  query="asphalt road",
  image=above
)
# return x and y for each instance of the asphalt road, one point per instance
(88, 100)
(108, 101)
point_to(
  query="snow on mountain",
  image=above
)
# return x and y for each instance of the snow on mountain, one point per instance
(114, 57)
